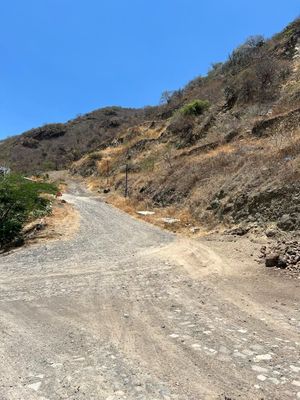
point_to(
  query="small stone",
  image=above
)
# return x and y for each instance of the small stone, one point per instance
(271, 233)
(261, 378)
(35, 386)
(174, 336)
(295, 369)
(170, 221)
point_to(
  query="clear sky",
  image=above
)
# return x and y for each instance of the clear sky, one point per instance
(60, 58)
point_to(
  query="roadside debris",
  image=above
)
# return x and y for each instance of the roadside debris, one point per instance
(283, 254)
(238, 231)
(31, 229)
(170, 220)
(195, 229)
(145, 213)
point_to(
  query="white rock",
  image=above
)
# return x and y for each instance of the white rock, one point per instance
(170, 220)
(212, 350)
(262, 357)
(261, 378)
(196, 346)
(35, 386)
(295, 369)
(145, 213)
(174, 336)
(119, 393)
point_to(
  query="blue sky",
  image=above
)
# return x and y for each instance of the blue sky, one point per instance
(60, 58)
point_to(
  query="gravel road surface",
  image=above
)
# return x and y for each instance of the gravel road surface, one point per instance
(125, 310)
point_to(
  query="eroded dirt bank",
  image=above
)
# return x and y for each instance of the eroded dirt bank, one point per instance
(125, 310)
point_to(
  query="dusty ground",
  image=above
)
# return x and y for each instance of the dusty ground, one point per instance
(124, 310)
(62, 224)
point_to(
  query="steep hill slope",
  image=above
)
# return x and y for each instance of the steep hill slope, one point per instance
(55, 146)
(234, 161)
(226, 148)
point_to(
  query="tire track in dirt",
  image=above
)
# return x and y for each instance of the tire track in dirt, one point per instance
(124, 310)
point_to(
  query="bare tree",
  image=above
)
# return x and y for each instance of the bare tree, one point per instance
(166, 96)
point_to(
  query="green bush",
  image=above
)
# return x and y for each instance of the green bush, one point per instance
(20, 200)
(196, 107)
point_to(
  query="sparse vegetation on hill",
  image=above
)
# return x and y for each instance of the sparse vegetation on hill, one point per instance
(56, 146)
(225, 148)
(196, 107)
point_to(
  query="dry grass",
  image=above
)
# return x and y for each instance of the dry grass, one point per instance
(62, 224)
(234, 167)
(132, 206)
(285, 144)
(64, 221)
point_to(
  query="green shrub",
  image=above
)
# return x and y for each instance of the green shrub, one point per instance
(20, 200)
(196, 107)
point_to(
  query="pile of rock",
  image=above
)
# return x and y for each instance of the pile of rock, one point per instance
(30, 230)
(283, 254)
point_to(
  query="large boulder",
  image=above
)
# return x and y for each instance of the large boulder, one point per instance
(272, 260)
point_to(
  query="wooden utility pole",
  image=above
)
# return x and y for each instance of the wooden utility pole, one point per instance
(126, 180)
(128, 157)
(107, 172)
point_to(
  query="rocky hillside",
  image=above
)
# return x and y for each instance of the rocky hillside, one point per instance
(224, 149)
(56, 146)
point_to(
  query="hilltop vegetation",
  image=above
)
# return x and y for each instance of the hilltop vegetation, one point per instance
(224, 149)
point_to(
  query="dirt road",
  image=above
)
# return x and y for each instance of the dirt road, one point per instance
(126, 311)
